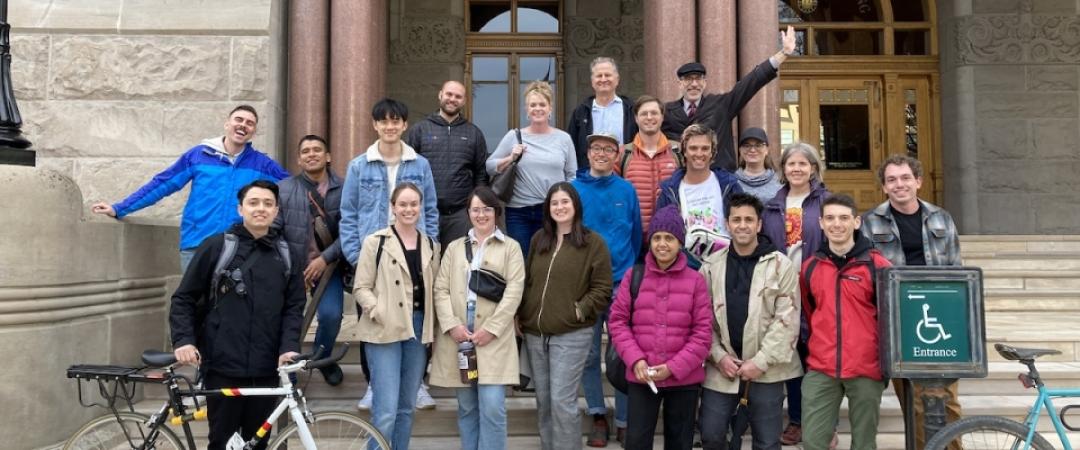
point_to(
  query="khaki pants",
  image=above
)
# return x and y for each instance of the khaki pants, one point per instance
(821, 397)
(952, 409)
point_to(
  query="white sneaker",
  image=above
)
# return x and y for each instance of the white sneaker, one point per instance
(423, 398)
(365, 401)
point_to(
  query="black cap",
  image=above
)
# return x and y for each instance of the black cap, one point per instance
(753, 133)
(689, 68)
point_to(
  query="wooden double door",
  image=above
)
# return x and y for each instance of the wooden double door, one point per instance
(856, 122)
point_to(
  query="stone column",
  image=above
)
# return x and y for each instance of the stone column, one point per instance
(309, 74)
(718, 42)
(759, 39)
(358, 62)
(670, 41)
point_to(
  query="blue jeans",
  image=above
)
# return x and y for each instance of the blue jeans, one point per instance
(522, 223)
(482, 417)
(185, 259)
(592, 379)
(396, 371)
(329, 314)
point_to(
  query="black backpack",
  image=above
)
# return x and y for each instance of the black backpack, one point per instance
(615, 369)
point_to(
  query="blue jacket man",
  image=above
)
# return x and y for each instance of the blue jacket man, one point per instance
(610, 207)
(217, 168)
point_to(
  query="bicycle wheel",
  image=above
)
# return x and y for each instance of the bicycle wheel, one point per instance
(334, 431)
(111, 432)
(986, 433)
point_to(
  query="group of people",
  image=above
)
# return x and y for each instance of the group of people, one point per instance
(727, 283)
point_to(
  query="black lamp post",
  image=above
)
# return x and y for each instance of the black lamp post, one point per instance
(14, 148)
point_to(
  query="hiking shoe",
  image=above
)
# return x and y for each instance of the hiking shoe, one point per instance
(423, 398)
(598, 437)
(792, 434)
(365, 401)
(332, 374)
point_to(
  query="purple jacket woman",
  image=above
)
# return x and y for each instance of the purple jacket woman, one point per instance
(774, 224)
(670, 325)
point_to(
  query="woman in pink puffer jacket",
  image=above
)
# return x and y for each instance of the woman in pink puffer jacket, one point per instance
(667, 339)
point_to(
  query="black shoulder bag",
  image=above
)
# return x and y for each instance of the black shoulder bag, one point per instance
(615, 367)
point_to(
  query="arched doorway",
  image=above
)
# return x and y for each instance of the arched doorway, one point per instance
(865, 87)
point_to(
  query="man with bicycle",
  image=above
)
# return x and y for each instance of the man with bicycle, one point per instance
(909, 231)
(239, 325)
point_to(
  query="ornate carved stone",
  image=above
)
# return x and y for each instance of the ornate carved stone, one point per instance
(250, 68)
(1018, 39)
(622, 38)
(428, 40)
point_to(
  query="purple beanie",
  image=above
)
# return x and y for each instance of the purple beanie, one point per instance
(668, 219)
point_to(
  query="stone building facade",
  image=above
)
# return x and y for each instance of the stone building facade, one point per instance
(112, 91)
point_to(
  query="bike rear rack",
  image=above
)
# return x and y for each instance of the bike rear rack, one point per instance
(113, 383)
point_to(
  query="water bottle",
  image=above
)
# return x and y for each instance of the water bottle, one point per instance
(467, 362)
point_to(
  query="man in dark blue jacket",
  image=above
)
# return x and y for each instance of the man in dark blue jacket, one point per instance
(241, 326)
(604, 112)
(700, 194)
(308, 220)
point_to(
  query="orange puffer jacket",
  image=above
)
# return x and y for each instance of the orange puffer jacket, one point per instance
(646, 173)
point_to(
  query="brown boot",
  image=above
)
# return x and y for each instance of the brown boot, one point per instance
(792, 434)
(598, 437)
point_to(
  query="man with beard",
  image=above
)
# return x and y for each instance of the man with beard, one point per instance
(217, 168)
(755, 292)
(717, 110)
(457, 152)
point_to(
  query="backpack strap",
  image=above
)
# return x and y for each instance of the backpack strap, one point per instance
(286, 256)
(468, 250)
(635, 285)
(677, 154)
(809, 275)
(628, 152)
(378, 253)
(228, 252)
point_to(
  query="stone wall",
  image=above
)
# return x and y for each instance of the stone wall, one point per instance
(73, 290)
(1011, 114)
(111, 92)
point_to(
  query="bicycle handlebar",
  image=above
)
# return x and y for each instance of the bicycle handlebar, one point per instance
(320, 363)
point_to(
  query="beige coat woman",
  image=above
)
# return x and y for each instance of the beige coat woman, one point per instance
(772, 321)
(386, 296)
(497, 362)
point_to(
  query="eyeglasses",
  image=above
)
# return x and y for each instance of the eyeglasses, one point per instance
(757, 146)
(607, 150)
(692, 78)
(481, 211)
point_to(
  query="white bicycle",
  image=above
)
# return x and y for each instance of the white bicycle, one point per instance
(123, 428)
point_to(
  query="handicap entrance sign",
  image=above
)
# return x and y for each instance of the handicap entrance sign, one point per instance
(931, 322)
(927, 312)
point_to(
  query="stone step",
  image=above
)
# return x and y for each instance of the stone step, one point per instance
(441, 423)
(1024, 300)
(1037, 280)
(972, 244)
(1032, 261)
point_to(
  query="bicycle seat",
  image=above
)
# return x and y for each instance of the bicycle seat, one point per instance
(156, 358)
(1023, 354)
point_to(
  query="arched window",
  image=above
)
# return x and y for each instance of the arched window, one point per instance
(859, 27)
(510, 43)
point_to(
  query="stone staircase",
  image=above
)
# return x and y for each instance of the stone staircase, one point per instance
(1032, 298)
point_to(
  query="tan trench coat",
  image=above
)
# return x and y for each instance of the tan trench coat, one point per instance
(497, 362)
(772, 321)
(386, 297)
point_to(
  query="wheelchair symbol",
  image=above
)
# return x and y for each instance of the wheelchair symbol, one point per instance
(931, 323)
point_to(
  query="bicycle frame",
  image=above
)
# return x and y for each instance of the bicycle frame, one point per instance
(1045, 400)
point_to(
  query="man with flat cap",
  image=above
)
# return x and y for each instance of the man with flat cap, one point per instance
(717, 110)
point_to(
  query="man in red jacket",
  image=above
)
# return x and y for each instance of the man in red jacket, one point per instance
(840, 303)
